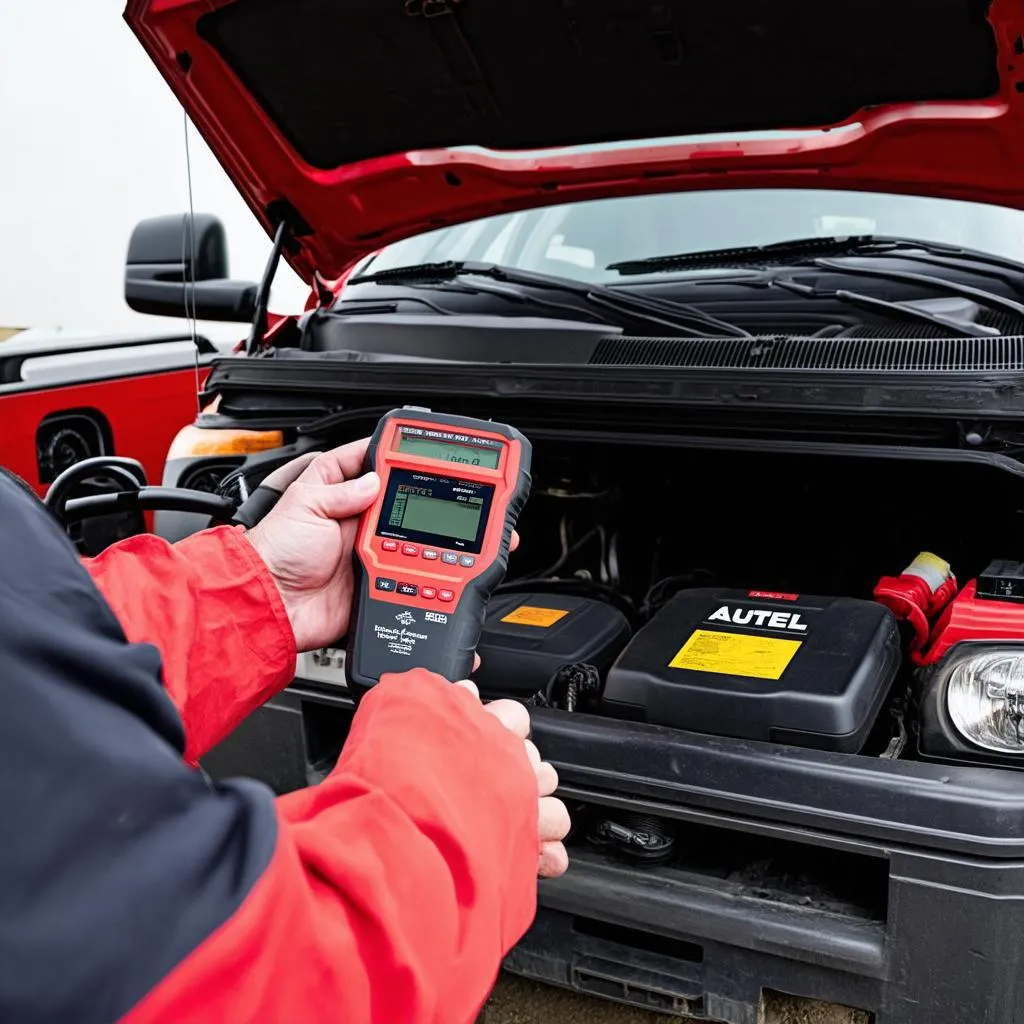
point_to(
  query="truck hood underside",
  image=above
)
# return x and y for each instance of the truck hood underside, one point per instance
(361, 122)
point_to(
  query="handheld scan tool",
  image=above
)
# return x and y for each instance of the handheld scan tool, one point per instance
(434, 544)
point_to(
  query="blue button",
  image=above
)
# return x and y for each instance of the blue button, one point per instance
(467, 560)
(384, 584)
(450, 558)
(408, 589)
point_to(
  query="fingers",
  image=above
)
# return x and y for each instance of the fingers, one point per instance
(343, 500)
(512, 715)
(468, 684)
(338, 464)
(547, 779)
(554, 860)
(514, 542)
(287, 474)
(553, 827)
(554, 820)
(476, 662)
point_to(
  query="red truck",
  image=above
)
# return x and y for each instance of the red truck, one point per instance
(751, 278)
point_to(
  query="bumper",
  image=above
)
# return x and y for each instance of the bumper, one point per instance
(900, 892)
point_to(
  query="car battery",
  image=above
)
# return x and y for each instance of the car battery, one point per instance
(784, 668)
(528, 637)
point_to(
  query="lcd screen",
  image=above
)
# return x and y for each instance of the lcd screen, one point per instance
(485, 453)
(439, 516)
(435, 510)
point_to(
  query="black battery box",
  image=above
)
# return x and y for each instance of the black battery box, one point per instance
(785, 668)
(527, 638)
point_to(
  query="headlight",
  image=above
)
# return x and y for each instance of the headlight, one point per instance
(985, 698)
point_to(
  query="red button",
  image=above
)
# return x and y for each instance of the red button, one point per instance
(389, 545)
(428, 592)
(446, 595)
(410, 549)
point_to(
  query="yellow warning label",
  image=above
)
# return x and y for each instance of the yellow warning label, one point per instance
(530, 615)
(736, 654)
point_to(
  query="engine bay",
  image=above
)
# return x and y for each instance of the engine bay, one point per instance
(803, 600)
(725, 610)
(833, 601)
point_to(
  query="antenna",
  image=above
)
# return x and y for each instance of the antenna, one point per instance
(189, 234)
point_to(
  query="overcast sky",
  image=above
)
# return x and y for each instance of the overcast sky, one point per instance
(93, 141)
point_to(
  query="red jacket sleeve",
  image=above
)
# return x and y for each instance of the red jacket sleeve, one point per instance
(385, 895)
(212, 610)
(396, 887)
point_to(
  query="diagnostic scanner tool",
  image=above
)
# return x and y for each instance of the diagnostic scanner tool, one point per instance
(434, 544)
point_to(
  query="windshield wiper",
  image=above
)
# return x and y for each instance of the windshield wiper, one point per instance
(799, 250)
(895, 310)
(964, 291)
(664, 313)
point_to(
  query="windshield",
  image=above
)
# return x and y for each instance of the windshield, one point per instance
(581, 240)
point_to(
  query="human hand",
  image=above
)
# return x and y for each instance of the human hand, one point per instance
(552, 815)
(306, 540)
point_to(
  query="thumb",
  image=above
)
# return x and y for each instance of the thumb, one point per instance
(347, 499)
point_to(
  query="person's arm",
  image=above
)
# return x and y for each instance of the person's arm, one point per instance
(396, 886)
(211, 609)
(386, 895)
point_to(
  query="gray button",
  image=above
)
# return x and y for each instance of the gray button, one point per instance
(467, 560)
(450, 558)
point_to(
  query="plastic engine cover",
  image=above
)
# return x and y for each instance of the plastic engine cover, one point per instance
(527, 638)
(808, 671)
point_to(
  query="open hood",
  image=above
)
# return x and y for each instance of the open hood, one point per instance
(364, 121)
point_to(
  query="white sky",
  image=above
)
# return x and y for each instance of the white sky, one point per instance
(92, 142)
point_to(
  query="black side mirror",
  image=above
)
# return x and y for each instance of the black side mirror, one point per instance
(178, 266)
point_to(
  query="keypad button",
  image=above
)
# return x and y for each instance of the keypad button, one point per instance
(408, 589)
(450, 558)
(412, 550)
(431, 554)
(468, 561)
(446, 595)
(428, 593)
(389, 545)
(386, 584)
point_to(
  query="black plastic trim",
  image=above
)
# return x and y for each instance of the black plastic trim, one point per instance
(965, 810)
(652, 901)
(997, 395)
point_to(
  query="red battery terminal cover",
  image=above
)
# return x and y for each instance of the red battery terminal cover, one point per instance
(990, 608)
(917, 595)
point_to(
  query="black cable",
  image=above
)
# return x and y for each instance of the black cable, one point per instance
(129, 472)
(657, 596)
(571, 685)
(149, 499)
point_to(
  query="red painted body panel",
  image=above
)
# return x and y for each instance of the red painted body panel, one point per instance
(959, 150)
(144, 413)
